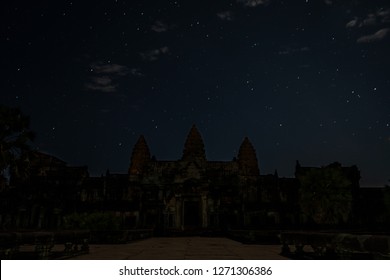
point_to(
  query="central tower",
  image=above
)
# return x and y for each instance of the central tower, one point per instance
(194, 146)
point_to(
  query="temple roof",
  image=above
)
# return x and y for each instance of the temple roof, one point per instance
(247, 157)
(194, 146)
(140, 156)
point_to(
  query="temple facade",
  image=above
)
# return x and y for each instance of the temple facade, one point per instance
(195, 193)
(188, 194)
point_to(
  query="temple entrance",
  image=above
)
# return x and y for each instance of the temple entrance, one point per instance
(192, 214)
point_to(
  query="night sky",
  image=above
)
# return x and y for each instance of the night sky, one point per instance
(305, 80)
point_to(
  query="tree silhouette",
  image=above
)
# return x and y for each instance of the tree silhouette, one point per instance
(15, 136)
(386, 200)
(325, 195)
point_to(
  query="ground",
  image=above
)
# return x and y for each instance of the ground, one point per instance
(180, 248)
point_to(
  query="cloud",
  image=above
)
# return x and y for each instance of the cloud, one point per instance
(289, 50)
(136, 72)
(372, 19)
(376, 37)
(103, 81)
(109, 68)
(253, 3)
(328, 2)
(352, 23)
(159, 27)
(225, 15)
(379, 20)
(103, 75)
(384, 15)
(99, 87)
(153, 55)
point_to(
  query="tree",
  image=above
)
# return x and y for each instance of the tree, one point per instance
(325, 195)
(386, 199)
(91, 221)
(15, 137)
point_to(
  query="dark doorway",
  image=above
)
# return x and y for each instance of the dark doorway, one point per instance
(191, 214)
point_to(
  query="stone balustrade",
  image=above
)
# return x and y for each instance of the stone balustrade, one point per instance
(75, 242)
(328, 245)
(119, 236)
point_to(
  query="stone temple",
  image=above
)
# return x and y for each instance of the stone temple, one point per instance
(190, 194)
(195, 193)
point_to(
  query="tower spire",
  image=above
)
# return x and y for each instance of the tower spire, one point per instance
(139, 157)
(194, 146)
(247, 158)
